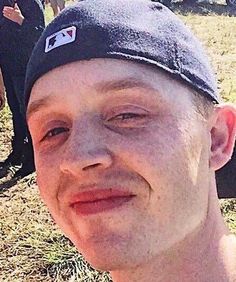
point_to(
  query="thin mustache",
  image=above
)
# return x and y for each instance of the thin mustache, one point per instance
(119, 179)
(107, 180)
(66, 190)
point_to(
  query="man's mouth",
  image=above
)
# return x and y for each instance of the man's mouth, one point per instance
(97, 201)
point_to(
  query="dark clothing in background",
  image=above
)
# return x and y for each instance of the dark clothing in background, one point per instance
(16, 44)
(14, 86)
(17, 41)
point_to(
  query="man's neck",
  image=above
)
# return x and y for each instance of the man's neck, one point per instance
(207, 255)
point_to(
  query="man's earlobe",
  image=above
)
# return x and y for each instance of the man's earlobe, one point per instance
(223, 134)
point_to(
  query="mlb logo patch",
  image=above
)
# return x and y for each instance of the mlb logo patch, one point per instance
(62, 37)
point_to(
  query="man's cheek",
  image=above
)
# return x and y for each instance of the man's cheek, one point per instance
(47, 181)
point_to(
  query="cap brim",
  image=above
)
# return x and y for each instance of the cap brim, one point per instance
(226, 179)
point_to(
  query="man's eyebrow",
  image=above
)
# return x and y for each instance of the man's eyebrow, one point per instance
(122, 84)
(37, 105)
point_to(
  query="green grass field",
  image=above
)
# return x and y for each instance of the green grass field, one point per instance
(31, 247)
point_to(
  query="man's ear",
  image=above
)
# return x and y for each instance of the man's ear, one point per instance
(223, 134)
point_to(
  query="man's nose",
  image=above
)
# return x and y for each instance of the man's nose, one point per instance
(85, 150)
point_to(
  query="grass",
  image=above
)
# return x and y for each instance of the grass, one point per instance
(217, 34)
(31, 247)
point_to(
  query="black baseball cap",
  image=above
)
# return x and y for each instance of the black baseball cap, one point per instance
(142, 31)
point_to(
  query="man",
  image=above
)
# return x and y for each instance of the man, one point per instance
(21, 23)
(128, 132)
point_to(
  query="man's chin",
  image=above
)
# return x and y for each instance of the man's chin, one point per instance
(104, 257)
(106, 263)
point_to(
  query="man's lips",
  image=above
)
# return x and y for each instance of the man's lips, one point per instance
(96, 201)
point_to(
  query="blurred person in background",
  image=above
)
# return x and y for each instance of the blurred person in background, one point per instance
(21, 23)
(57, 6)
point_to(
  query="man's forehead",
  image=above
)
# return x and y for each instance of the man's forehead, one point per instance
(106, 74)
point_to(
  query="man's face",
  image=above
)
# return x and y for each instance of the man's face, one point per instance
(122, 159)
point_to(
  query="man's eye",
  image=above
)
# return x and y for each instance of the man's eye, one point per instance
(127, 116)
(54, 132)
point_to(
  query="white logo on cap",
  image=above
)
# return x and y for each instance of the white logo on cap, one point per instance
(62, 37)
